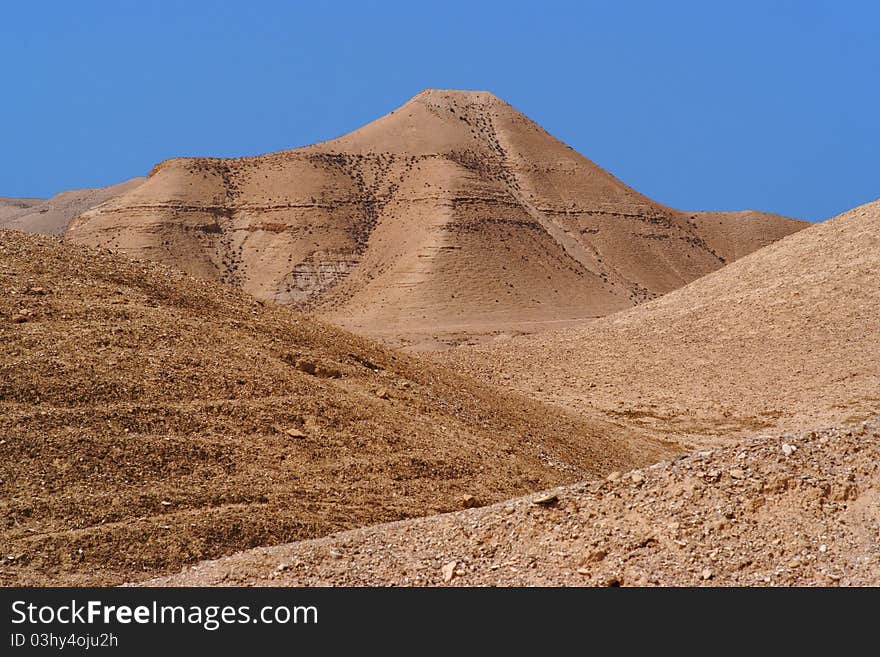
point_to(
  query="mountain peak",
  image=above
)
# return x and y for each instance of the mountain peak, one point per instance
(468, 95)
(454, 210)
(451, 99)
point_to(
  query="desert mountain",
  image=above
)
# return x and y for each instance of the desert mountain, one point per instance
(52, 216)
(11, 207)
(150, 419)
(788, 336)
(452, 214)
(797, 509)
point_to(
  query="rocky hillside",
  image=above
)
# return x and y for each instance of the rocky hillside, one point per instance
(786, 337)
(454, 214)
(150, 419)
(52, 216)
(778, 510)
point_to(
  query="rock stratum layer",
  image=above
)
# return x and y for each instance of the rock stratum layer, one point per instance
(453, 213)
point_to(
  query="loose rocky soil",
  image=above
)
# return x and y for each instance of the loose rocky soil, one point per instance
(149, 419)
(776, 510)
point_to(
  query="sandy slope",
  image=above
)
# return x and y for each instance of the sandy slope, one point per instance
(789, 510)
(52, 216)
(149, 419)
(787, 336)
(453, 216)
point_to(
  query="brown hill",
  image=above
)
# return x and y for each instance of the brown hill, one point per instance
(787, 336)
(12, 207)
(52, 216)
(733, 235)
(454, 214)
(150, 419)
(789, 510)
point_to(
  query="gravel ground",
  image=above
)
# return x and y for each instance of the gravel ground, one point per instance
(782, 510)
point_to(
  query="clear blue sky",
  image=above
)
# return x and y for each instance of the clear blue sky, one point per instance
(700, 105)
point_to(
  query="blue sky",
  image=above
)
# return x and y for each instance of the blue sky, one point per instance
(700, 105)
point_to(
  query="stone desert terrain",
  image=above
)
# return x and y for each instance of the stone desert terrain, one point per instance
(209, 378)
(776, 510)
(788, 336)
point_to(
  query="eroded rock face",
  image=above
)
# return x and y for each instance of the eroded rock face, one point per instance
(454, 210)
(311, 278)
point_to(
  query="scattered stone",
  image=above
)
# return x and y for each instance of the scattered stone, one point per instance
(293, 432)
(788, 450)
(469, 501)
(366, 363)
(546, 500)
(637, 478)
(719, 525)
(777, 484)
(166, 503)
(706, 574)
(614, 476)
(843, 492)
(448, 571)
(336, 554)
(382, 393)
(736, 473)
(595, 556)
(306, 366)
(327, 372)
(645, 541)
